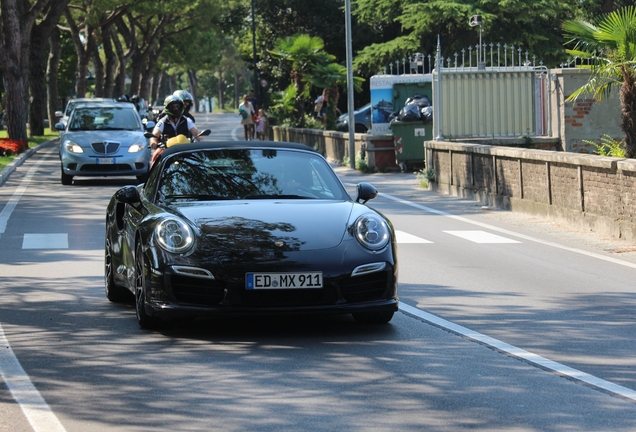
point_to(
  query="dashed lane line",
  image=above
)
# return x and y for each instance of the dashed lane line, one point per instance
(510, 233)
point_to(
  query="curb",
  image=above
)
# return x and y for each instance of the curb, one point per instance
(19, 160)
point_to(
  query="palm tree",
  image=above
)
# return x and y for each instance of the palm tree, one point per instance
(302, 52)
(610, 43)
(332, 76)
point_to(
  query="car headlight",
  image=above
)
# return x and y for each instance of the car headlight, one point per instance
(72, 147)
(174, 235)
(371, 231)
(137, 147)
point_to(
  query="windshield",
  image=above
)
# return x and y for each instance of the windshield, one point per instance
(247, 174)
(104, 118)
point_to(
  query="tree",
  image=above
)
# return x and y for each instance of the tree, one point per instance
(40, 35)
(533, 25)
(299, 55)
(17, 18)
(610, 45)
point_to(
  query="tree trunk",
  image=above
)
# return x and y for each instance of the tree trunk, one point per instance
(37, 81)
(55, 53)
(193, 83)
(111, 60)
(17, 23)
(99, 74)
(220, 89)
(628, 114)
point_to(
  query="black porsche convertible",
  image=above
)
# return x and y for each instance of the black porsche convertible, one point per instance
(248, 228)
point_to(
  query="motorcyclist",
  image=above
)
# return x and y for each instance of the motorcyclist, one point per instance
(174, 122)
(188, 102)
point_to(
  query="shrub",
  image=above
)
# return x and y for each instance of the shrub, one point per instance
(608, 147)
(9, 147)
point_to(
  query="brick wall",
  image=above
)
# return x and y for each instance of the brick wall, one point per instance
(585, 191)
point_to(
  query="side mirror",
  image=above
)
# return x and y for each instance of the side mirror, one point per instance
(150, 125)
(205, 132)
(59, 114)
(59, 126)
(148, 135)
(128, 195)
(366, 192)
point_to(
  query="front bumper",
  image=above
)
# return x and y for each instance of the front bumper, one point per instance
(127, 164)
(175, 295)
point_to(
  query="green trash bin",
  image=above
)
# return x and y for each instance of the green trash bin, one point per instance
(409, 140)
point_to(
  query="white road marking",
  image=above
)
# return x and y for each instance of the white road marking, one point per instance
(403, 237)
(531, 358)
(479, 236)
(13, 201)
(511, 233)
(33, 405)
(45, 241)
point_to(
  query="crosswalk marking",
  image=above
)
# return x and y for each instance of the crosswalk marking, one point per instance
(479, 236)
(45, 241)
(403, 237)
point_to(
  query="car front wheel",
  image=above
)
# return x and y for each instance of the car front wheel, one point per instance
(145, 321)
(66, 179)
(114, 292)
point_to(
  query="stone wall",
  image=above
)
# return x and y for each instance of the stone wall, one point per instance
(585, 191)
(378, 150)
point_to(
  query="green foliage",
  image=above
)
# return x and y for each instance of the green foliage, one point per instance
(425, 177)
(283, 105)
(533, 25)
(361, 164)
(609, 43)
(608, 147)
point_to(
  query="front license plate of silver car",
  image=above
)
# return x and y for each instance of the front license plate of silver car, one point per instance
(269, 281)
(105, 161)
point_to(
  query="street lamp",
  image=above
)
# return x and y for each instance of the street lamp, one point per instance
(475, 20)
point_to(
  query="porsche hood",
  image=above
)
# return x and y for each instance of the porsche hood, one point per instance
(305, 225)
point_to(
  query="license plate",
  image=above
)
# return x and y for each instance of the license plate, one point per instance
(255, 281)
(105, 161)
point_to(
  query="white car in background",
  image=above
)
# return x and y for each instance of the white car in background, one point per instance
(63, 116)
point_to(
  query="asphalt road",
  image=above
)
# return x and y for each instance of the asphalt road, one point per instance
(507, 323)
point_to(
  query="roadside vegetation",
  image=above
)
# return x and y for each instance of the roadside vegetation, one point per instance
(287, 51)
(7, 155)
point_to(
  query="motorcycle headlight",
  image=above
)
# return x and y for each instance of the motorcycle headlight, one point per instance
(137, 147)
(72, 147)
(174, 235)
(371, 231)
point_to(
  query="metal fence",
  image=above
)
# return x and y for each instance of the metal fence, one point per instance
(492, 90)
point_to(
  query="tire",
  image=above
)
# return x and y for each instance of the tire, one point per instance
(114, 293)
(360, 128)
(145, 321)
(66, 179)
(373, 317)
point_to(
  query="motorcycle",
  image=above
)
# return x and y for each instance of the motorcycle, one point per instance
(169, 142)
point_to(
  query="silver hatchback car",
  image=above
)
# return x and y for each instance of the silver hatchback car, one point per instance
(103, 139)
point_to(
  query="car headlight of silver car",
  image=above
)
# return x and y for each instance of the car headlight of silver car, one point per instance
(136, 147)
(174, 235)
(371, 231)
(72, 146)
